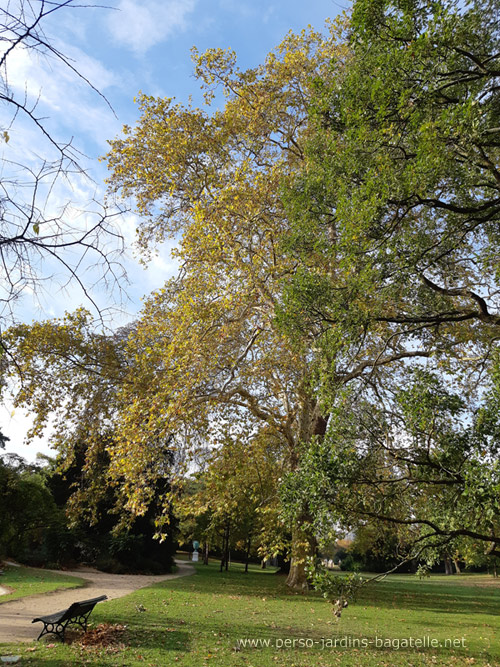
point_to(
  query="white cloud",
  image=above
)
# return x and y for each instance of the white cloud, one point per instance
(139, 26)
(269, 15)
(68, 109)
(51, 75)
(15, 425)
(61, 97)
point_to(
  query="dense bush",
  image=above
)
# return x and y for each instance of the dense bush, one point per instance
(34, 528)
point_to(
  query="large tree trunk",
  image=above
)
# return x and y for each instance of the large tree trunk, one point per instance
(303, 546)
(312, 423)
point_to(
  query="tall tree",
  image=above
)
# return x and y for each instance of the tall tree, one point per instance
(215, 178)
(396, 219)
(237, 494)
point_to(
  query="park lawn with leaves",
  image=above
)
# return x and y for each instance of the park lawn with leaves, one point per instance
(198, 621)
(24, 581)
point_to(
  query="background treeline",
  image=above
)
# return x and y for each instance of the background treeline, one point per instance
(35, 530)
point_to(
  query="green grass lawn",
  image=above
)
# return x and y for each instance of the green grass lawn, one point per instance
(23, 581)
(198, 621)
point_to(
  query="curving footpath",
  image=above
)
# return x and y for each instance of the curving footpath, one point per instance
(16, 616)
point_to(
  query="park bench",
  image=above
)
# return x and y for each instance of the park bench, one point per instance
(76, 614)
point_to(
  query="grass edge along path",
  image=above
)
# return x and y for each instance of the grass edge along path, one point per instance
(25, 581)
(231, 619)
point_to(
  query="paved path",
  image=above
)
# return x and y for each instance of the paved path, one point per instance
(16, 616)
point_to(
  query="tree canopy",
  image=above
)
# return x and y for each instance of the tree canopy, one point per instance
(221, 362)
(399, 197)
(396, 216)
(336, 211)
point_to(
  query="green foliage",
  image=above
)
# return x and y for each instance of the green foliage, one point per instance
(77, 376)
(32, 527)
(423, 571)
(395, 215)
(339, 590)
(415, 471)
(100, 537)
(237, 490)
(396, 209)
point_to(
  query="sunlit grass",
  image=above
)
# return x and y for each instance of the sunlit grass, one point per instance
(199, 620)
(23, 581)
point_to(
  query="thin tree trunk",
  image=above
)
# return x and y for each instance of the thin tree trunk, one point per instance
(225, 549)
(205, 553)
(227, 555)
(247, 556)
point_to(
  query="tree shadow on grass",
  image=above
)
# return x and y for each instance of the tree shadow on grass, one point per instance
(422, 597)
(235, 582)
(438, 597)
(160, 641)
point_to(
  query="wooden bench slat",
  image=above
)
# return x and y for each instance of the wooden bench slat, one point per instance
(77, 613)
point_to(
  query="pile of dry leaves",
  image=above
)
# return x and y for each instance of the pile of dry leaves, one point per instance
(104, 635)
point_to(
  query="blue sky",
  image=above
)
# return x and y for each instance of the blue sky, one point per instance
(127, 47)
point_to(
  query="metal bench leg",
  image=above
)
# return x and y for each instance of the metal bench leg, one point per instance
(81, 620)
(53, 629)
